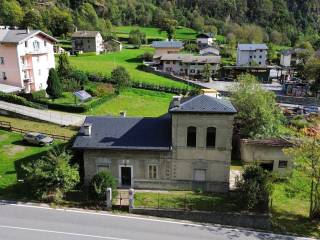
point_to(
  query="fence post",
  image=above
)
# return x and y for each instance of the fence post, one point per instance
(158, 200)
(109, 198)
(131, 199)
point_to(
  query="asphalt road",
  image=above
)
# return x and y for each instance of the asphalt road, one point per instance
(43, 223)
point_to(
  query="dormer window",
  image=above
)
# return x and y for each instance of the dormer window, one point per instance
(211, 137)
(192, 136)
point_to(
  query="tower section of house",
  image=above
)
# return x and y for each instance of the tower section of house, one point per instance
(252, 55)
(25, 58)
(166, 47)
(87, 41)
(291, 57)
(189, 148)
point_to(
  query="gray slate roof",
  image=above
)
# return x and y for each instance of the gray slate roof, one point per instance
(189, 58)
(124, 133)
(252, 47)
(85, 34)
(167, 44)
(203, 104)
(205, 35)
(17, 36)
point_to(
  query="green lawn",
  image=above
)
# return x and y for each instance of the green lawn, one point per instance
(36, 126)
(187, 200)
(128, 58)
(136, 102)
(290, 213)
(182, 33)
(13, 153)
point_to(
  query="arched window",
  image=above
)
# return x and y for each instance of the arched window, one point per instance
(192, 137)
(211, 137)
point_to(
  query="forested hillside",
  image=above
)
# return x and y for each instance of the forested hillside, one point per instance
(281, 21)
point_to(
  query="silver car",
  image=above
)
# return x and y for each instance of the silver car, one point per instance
(37, 138)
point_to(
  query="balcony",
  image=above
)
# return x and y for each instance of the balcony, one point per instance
(26, 66)
(36, 51)
(27, 80)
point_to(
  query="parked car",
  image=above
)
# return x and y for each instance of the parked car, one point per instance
(37, 138)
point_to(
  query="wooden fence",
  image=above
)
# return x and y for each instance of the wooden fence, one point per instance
(7, 126)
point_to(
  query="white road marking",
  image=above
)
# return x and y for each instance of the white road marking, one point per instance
(59, 232)
(185, 223)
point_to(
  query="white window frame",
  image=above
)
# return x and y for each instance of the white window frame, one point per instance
(151, 174)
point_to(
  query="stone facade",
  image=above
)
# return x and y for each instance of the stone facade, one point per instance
(269, 157)
(175, 169)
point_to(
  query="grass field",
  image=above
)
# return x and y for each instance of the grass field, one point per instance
(39, 126)
(182, 33)
(13, 153)
(136, 102)
(127, 58)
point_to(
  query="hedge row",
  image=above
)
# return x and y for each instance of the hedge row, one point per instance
(101, 78)
(18, 100)
(76, 108)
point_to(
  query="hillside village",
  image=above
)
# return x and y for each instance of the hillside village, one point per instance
(180, 122)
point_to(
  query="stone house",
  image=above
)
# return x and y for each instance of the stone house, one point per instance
(268, 153)
(188, 64)
(113, 46)
(26, 57)
(166, 47)
(252, 54)
(187, 148)
(87, 41)
(205, 39)
(291, 57)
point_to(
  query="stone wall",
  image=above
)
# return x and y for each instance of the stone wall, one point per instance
(249, 220)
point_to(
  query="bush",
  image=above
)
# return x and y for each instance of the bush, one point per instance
(255, 188)
(147, 56)
(39, 94)
(18, 100)
(52, 175)
(79, 76)
(121, 77)
(99, 184)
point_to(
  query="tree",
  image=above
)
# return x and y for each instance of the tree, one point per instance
(169, 26)
(52, 175)
(307, 162)
(10, 13)
(121, 77)
(207, 72)
(99, 184)
(64, 67)
(258, 115)
(255, 188)
(32, 19)
(136, 37)
(312, 71)
(54, 86)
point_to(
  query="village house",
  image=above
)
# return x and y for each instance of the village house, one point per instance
(205, 39)
(189, 148)
(268, 153)
(25, 58)
(113, 46)
(252, 55)
(166, 47)
(87, 41)
(209, 50)
(188, 64)
(291, 57)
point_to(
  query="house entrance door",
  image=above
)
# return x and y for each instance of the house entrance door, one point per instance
(126, 176)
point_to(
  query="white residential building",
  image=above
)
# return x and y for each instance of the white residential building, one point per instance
(205, 39)
(25, 58)
(252, 54)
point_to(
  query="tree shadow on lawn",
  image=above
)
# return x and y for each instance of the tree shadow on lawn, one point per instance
(134, 60)
(284, 222)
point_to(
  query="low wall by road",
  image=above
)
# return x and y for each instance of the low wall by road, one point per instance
(248, 220)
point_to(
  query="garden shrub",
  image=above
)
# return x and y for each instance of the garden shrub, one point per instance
(18, 100)
(39, 94)
(99, 184)
(255, 188)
